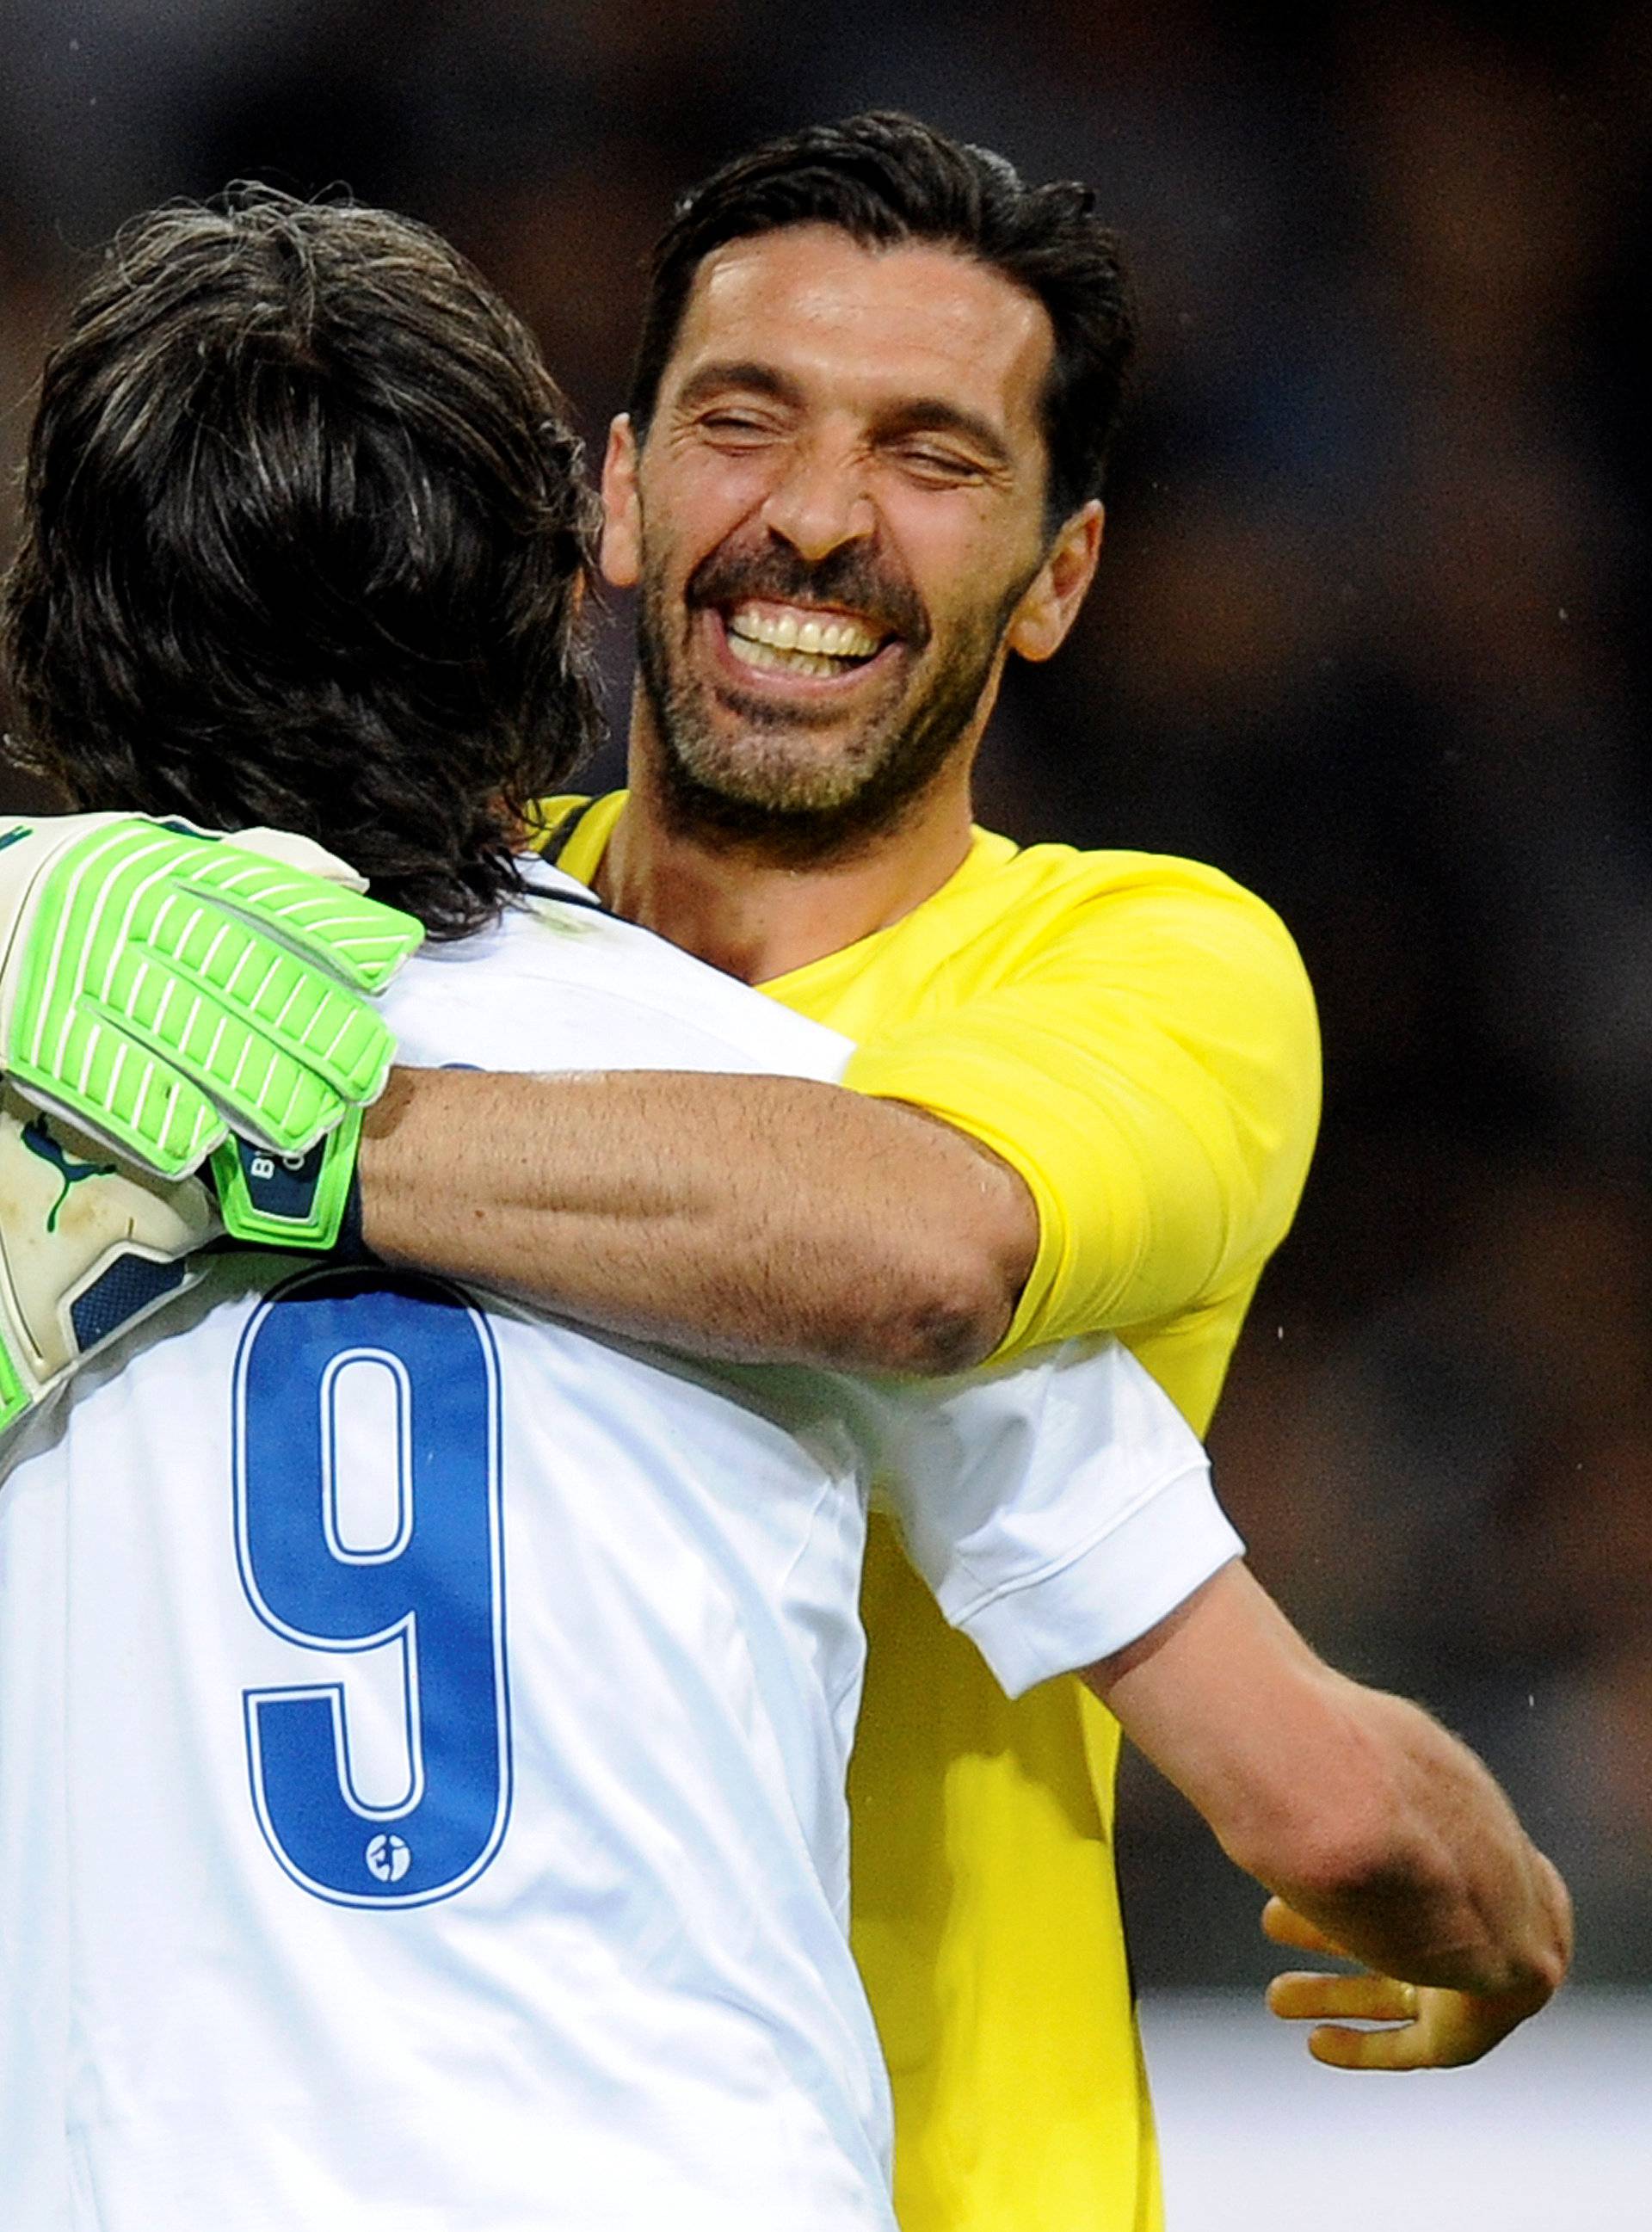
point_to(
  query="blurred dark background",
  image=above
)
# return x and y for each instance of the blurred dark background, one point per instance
(1367, 635)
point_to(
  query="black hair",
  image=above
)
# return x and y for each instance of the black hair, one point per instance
(885, 178)
(306, 539)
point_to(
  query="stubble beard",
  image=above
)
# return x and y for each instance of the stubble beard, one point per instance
(761, 785)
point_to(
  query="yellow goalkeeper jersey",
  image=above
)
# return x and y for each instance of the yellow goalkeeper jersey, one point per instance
(1136, 1035)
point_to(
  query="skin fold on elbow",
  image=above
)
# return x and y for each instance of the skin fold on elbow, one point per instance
(956, 1277)
(922, 1319)
(945, 1308)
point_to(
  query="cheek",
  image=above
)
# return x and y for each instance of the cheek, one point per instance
(962, 561)
(698, 500)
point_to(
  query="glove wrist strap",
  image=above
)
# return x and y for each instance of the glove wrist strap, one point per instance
(292, 1200)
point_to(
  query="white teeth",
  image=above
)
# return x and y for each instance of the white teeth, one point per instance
(803, 632)
(752, 654)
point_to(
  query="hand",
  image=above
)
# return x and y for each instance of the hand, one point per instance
(87, 1248)
(1435, 2028)
(158, 985)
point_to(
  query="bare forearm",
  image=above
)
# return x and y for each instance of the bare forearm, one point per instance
(1355, 1807)
(765, 1218)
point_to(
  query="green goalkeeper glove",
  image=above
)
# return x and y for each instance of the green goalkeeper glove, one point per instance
(160, 986)
(87, 1247)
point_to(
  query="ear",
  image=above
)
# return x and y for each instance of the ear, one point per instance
(621, 552)
(1051, 603)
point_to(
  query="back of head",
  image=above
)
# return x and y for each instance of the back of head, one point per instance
(304, 542)
(887, 179)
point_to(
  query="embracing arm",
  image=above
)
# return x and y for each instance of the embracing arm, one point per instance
(1381, 1837)
(1100, 1138)
(1110, 1129)
(763, 1218)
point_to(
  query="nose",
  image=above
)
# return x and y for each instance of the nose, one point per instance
(820, 503)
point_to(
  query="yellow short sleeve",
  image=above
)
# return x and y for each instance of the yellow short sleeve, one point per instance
(1152, 1071)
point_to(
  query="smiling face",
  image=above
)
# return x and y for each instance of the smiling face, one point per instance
(837, 520)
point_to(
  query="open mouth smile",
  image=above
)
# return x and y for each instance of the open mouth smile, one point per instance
(805, 642)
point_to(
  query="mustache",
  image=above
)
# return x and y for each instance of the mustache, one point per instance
(848, 577)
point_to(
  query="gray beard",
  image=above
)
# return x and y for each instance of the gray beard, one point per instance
(800, 815)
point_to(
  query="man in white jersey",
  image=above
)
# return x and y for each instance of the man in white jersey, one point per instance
(424, 1727)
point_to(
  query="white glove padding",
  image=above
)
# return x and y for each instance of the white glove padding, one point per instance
(87, 1247)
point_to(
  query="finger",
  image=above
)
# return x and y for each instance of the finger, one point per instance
(114, 1089)
(277, 1043)
(1404, 2049)
(364, 942)
(1297, 1997)
(1286, 1926)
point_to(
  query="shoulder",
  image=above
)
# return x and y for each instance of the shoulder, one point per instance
(1061, 886)
(1118, 919)
(558, 983)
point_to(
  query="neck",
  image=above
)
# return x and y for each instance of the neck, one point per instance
(757, 917)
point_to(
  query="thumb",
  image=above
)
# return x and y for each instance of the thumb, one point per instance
(1281, 1922)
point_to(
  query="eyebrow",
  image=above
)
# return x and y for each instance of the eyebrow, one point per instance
(916, 415)
(756, 378)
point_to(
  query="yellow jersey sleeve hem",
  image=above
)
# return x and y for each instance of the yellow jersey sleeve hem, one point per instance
(1153, 1079)
(886, 1075)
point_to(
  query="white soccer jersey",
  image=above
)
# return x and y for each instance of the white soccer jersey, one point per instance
(422, 1726)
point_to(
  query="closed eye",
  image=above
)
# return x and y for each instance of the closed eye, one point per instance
(735, 426)
(940, 445)
(939, 467)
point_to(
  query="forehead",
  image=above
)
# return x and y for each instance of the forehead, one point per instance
(868, 324)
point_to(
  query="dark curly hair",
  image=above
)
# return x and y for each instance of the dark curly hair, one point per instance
(885, 178)
(305, 542)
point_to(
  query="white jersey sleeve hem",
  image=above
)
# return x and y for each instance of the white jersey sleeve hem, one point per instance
(1109, 1592)
(1057, 1507)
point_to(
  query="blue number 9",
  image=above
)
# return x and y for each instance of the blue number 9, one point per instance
(432, 1589)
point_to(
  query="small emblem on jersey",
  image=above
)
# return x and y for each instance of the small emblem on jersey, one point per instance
(39, 1141)
(389, 1859)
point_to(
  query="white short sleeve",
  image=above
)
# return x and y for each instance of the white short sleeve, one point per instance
(1058, 1507)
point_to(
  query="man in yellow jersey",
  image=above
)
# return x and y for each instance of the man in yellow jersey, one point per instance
(876, 382)
(871, 408)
